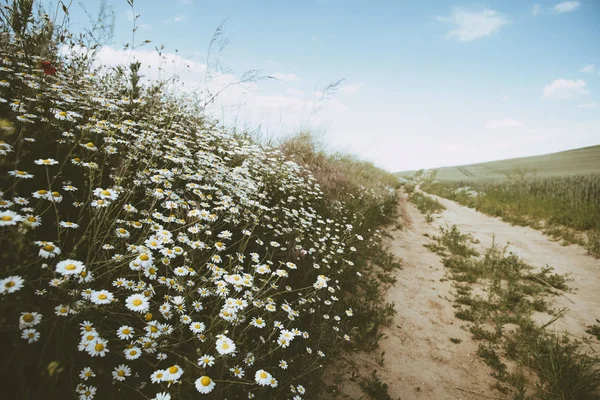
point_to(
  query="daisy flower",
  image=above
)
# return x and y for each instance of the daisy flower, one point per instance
(97, 347)
(87, 393)
(46, 161)
(20, 174)
(206, 361)
(137, 302)
(11, 284)
(262, 377)
(237, 371)
(106, 194)
(132, 353)
(89, 146)
(197, 327)
(55, 197)
(87, 373)
(121, 372)
(29, 319)
(67, 224)
(33, 220)
(48, 250)
(158, 376)
(205, 385)
(8, 218)
(162, 396)
(31, 335)
(125, 332)
(173, 373)
(101, 297)
(123, 233)
(69, 267)
(225, 345)
(258, 322)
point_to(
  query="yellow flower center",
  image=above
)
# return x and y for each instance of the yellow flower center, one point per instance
(173, 369)
(121, 373)
(90, 145)
(263, 375)
(77, 159)
(149, 317)
(137, 302)
(225, 346)
(144, 257)
(33, 219)
(28, 317)
(62, 114)
(123, 231)
(55, 194)
(90, 337)
(63, 310)
(99, 347)
(6, 218)
(9, 284)
(88, 328)
(21, 172)
(70, 267)
(205, 381)
(105, 192)
(153, 329)
(133, 352)
(42, 192)
(102, 296)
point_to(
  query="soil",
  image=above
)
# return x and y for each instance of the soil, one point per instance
(420, 360)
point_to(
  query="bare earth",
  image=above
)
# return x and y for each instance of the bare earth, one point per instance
(420, 360)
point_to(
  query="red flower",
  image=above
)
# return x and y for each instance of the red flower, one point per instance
(48, 68)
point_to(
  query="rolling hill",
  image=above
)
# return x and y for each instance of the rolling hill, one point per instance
(564, 163)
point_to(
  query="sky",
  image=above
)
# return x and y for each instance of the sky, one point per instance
(424, 84)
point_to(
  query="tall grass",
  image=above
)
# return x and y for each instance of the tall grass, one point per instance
(147, 254)
(552, 203)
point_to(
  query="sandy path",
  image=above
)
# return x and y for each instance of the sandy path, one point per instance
(538, 250)
(420, 360)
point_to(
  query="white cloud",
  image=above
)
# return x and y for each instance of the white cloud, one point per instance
(589, 105)
(588, 68)
(177, 19)
(284, 77)
(294, 92)
(503, 123)
(564, 89)
(535, 10)
(474, 25)
(245, 105)
(567, 6)
(351, 87)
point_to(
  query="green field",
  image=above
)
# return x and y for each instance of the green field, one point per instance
(565, 163)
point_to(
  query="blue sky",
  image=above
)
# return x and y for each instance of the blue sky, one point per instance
(426, 84)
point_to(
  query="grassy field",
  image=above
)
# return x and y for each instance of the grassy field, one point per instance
(565, 163)
(564, 207)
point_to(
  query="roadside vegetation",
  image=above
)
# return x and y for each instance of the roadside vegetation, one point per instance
(496, 296)
(566, 208)
(425, 204)
(148, 254)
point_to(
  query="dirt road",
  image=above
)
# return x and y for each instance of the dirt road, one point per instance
(420, 360)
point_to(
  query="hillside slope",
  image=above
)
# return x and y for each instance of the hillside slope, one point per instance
(570, 162)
